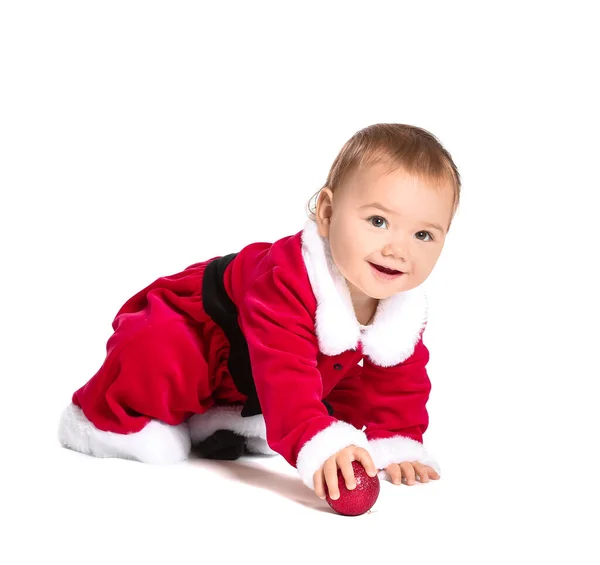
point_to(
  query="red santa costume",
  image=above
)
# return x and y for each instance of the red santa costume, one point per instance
(265, 343)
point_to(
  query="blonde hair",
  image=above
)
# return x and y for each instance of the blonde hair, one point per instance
(395, 146)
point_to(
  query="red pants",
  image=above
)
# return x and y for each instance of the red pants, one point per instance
(166, 360)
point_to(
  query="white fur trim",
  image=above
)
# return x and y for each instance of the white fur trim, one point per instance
(336, 324)
(226, 418)
(157, 442)
(398, 449)
(323, 445)
(396, 327)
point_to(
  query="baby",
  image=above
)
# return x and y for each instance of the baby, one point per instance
(310, 347)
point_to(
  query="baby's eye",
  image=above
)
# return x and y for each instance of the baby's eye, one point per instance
(378, 221)
(424, 233)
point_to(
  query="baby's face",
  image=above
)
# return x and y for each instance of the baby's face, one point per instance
(396, 222)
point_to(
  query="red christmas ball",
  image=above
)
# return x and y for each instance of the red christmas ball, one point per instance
(362, 498)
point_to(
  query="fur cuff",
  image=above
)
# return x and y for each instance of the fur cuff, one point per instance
(157, 442)
(323, 445)
(398, 449)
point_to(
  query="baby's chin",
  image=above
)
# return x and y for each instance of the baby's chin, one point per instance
(378, 293)
(382, 296)
(381, 292)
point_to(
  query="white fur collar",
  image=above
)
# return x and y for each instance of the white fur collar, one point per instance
(396, 327)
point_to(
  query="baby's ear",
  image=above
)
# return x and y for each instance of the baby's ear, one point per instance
(323, 211)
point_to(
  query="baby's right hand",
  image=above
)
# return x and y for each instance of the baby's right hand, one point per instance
(328, 472)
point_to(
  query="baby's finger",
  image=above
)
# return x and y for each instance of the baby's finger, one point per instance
(408, 472)
(422, 471)
(395, 473)
(345, 465)
(364, 458)
(331, 478)
(319, 483)
(433, 474)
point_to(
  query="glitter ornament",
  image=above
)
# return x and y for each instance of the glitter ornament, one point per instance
(359, 500)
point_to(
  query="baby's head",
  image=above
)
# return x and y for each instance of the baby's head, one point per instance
(388, 203)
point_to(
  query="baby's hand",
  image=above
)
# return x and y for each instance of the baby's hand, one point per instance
(406, 471)
(327, 473)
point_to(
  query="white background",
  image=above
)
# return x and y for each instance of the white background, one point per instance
(137, 138)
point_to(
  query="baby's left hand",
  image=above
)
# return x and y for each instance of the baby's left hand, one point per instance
(408, 472)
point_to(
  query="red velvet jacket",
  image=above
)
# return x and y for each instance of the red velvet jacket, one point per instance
(305, 345)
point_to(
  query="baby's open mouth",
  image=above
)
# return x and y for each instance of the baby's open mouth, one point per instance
(385, 270)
